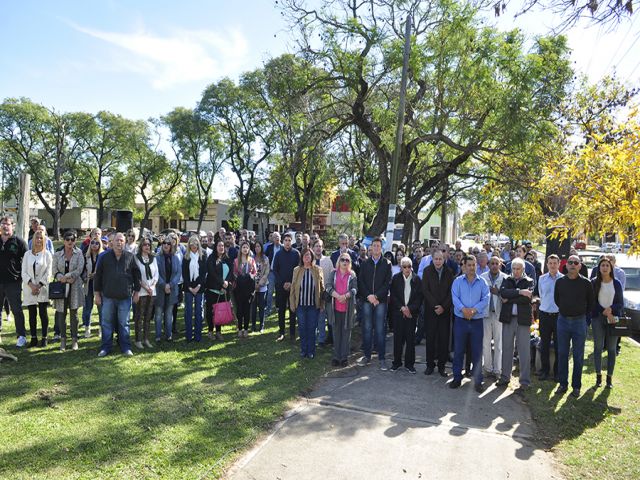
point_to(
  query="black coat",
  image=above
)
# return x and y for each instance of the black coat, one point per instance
(509, 291)
(374, 279)
(186, 274)
(214, 278)
(397, 294)
(437, 290)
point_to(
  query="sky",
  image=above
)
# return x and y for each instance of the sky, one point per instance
(143, 58)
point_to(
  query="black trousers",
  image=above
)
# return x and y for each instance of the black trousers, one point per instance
(282, 300)
(437, 330)
(210, 299)
(548, 329)
(243, 303)
(34, 310)
(404, 336)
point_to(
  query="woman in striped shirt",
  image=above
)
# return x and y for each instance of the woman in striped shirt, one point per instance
(306, 300)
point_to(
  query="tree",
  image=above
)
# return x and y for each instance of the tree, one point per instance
(155, 177)
(238, 113)
(473, 92)
(41, 139)
(103, 140)
(198, 146)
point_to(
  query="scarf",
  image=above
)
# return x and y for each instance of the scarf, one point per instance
(147, 265)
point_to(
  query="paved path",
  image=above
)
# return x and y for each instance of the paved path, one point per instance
(362, 423)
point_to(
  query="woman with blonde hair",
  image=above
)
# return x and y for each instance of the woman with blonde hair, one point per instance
(94, 250)
(342, 287)
(194, 271)
(68, 265)
(36, 272)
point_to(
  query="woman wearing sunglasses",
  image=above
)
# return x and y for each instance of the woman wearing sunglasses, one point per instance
(68, 265)
(142, 315)
(94, 249)
(342, 287)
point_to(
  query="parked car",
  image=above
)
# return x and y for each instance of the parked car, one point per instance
(631, 267)
(185, 236)
(611, 247)
(590, 259)
(469, 236)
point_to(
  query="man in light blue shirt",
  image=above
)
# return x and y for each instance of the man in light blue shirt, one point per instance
(548, 316)
(470, 296)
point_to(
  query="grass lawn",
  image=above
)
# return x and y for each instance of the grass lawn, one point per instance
(597, 435)
(177, 411)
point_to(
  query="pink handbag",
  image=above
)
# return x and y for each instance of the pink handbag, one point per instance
(223, 313)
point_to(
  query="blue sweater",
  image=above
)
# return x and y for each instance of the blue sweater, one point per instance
(283, 265)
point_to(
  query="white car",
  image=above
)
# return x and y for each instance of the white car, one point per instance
(631, 267)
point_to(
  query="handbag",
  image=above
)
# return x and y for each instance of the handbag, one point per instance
(223, 313)
(56, 290)
(621, 328)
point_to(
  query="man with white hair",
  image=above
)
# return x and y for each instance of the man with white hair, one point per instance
(515, 316)
(406, 300)
(483, 263)
(492, 355)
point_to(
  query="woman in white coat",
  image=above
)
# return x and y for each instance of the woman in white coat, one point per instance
(36, 272)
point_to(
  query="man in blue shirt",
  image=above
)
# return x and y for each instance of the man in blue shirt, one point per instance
(548, 316)
(470, 296)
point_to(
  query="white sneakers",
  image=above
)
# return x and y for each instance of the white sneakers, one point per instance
(87, 332)
(103, 353)
(22, 341)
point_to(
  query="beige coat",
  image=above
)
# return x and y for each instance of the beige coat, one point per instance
(75, 291)
(318, 284)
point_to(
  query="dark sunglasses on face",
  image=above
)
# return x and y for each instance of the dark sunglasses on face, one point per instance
(70, 239)
(95, 243)
(573, 262)
(167, 243)
(146, 244)
(345, 260)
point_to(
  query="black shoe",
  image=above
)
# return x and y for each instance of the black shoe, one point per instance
(468, 373)
(429, 371)
(502, 382)
(411, 370)
(598, 380)
(43, 342)
(479, 387)
(543, 376)
(561, 390)
(575, 393)
(334, 363)
(609, 381)
(394, 367)
(34, 342)
(455, 384)
(443, 373)
(344, 363)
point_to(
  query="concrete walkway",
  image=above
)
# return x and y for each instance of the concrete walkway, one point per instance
(362, 423)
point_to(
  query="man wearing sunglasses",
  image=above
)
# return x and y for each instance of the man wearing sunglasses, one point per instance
(573, 294)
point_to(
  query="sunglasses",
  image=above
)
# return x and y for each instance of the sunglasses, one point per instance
(345, 260)
(146, 244)
(70, 239)
(573, 262)
(167, 243)
(95, 243)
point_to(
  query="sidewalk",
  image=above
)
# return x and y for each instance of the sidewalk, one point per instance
(362, 423)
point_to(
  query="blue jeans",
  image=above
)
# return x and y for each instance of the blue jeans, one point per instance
(307, 323)
(374, 318)
(474, 331)
(322, 325)
(118, 309)
(190, 329)
(601, 338)
(88, 308)
(164, 314)
(270, 289)
(571, 331)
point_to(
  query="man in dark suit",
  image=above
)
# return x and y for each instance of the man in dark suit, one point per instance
(406, 300)
(436, 288)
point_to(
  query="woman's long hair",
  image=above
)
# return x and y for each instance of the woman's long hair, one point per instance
(599, 275)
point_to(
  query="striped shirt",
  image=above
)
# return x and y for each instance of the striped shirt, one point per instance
(307, 294)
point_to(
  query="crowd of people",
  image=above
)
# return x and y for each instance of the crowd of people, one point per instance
(475, 308)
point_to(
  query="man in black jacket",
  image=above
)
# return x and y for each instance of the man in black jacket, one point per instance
(406, 300)
(436, 288)
(116, 281)
(515, 316)
(12, 249)
(283, 264)
(373, 289)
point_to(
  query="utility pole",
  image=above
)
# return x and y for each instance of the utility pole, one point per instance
(395, 159)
